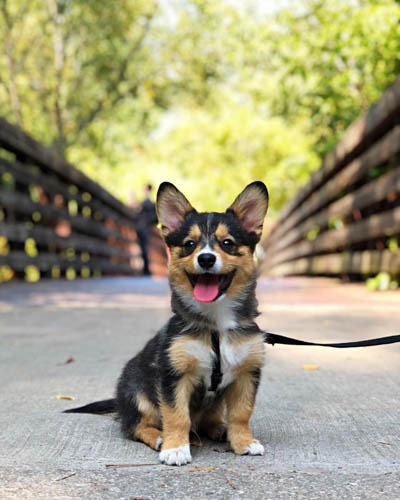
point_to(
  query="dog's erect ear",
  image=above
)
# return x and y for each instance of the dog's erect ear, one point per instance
(172, 207)
(251, 206)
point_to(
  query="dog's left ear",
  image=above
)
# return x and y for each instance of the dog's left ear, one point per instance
(250, 207)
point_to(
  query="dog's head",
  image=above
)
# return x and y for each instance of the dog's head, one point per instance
(211, 254)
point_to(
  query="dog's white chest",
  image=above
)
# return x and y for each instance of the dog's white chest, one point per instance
(232, 356)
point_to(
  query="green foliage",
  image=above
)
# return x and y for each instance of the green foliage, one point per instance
(358, 67)
(312, 233)
(198, 92)
(73, 62)
(393, 244)
(212, 156)
(382, 281)
(330, 60)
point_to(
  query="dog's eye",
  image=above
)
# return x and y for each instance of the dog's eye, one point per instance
(189, 244)
(228, 243)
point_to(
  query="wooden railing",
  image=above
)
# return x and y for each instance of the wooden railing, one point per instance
(346, 220)
(54, 220)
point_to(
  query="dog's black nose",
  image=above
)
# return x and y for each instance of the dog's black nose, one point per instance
(206, 260)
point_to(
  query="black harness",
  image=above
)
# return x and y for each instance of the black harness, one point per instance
(273, 338)
(216, 375)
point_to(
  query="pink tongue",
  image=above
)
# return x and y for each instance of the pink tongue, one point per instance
(206, 289)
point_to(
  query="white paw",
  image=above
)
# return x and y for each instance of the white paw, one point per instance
(254, 448)
(158, 443)
(176, 456)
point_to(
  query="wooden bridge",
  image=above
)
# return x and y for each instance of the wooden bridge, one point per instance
(56, 222)
(346, 220)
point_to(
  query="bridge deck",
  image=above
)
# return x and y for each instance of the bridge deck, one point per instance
(329, 433)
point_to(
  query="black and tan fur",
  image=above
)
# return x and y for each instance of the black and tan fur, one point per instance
(163, 392)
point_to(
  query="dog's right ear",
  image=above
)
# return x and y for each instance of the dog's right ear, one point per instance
(172, 208)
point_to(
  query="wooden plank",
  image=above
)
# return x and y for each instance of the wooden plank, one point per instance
(388, 185)
(53, 186)
(364, 263)
(22, 204)
(157, 254)
(15, 140)
(18, 261)
(380, 153)
(383, 225)
(47, 236)
(357, 138)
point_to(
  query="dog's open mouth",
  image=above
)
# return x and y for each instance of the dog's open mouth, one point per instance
(208, 287)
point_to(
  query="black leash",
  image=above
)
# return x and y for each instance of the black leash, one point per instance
(273, 338)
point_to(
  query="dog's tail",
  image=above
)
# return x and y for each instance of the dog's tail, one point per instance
(99, 407)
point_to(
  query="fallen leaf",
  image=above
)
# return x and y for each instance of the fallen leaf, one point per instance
(200, 469)
(310, 367)
(69, 398)
(230, 483)
(69, 360)
(66, 477)
(131, 465)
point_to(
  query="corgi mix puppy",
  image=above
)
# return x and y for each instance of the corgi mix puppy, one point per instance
(201, 371)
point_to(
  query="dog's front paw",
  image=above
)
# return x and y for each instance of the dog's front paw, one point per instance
(254, 448)
(176, 456)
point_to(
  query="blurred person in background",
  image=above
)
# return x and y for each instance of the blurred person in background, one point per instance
(147, 218)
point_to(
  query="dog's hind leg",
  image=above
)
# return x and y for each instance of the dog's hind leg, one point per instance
(147, 430)
(140, 418)
(143, 422)
(149, 435)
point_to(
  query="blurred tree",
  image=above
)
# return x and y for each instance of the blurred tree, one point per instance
(67, 62)
(66, 66)
(329, 61)
(212, 156)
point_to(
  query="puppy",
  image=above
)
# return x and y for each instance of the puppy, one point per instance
(205, 363)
